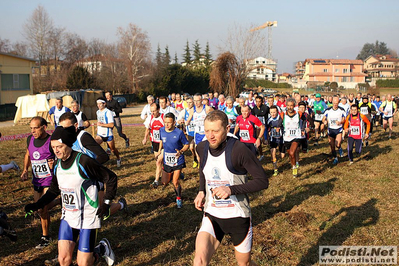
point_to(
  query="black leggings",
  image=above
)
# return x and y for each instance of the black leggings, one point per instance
(358, 147)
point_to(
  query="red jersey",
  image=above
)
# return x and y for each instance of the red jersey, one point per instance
(155, 124)
(247, 128)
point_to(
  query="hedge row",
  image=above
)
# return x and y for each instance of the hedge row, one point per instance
(388, 83)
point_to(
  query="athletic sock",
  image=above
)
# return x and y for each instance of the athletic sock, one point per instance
(275, 165)
(195, 159)
(178, 191)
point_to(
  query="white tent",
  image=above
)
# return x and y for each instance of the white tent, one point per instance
(30, 106)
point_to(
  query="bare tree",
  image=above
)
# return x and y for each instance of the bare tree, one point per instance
(96, 47)
(76, 48)
(5, 45)
(134, 48)
(231, 69)
(20, 48)
(227, 74)
(37, 30)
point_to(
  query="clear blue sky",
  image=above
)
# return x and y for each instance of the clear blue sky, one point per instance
(306, 29)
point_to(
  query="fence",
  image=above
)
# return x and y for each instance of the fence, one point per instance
(7, 111)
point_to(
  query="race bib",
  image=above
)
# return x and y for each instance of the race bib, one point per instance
(221, 203)
(333, 121)
(244, 134)
(318, 117)
(68, 200)
(355, 130)
(274, 133)
(388, 110)
(191, 127)
(170, 159)
(156, 135)
(40, 168)
(364, 110)
(294, 132)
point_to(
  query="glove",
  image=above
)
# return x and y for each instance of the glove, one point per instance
(30, 208)
(104, 211)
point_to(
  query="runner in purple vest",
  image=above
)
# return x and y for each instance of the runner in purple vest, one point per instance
(40, 156)
(213, 102)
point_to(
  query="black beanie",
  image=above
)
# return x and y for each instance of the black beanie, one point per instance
(66, 135)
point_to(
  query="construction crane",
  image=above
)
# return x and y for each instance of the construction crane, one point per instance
(269, 25)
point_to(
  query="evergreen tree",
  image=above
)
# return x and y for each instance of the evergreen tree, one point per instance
(373, 49)
(187, 54)
(79, 78)
(208, 56)
(166, 57)
(158, 57)
(176, 60)
(197, 52)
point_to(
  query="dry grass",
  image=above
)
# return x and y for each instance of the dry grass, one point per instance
(334, 205)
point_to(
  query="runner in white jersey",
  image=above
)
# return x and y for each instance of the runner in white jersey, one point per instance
(294, 124)
(335, 118)
(388, 109)
(56, 111)
(189, 130)
(83, 122)
(105, 124)
(224, 187)
(76, 178)
(197, 115)
(164, 109)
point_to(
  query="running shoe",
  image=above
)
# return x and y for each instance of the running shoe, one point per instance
(118, 163)
(275, 172)
(341, 152)
(44, 242)
(108, 151)
(127, 143)
(195, 164)
(366, 143)
(316, 143)
(155, 184)
(123, 201)
(15, 166)
(350, 162)
(261, 158)
(179, 203)
(294, 172)
(297, 165)
(108, 255)
(335, 161)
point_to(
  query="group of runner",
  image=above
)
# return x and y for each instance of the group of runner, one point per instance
(226, 136)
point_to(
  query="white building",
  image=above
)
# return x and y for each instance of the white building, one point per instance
(262, 68)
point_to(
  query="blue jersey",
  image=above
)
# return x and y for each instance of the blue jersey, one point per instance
(190, 129)
(171, 142)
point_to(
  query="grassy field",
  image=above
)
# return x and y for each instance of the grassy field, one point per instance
(325, 205)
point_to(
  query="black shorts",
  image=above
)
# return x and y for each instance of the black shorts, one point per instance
(280, 145)
(190, 139)
(171, 169)
(155, 146)
(238, 228)
(39, 189)
(333, 133)
(287, 144)
(304, 144)
(387, 117)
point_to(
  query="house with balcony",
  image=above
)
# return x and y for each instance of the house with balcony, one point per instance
(15, 77)
(381, 67)
(262, 68)
(347, 73)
